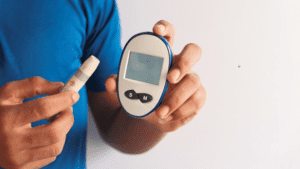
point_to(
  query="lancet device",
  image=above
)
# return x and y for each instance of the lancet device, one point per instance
(82, 75)
(142, 77)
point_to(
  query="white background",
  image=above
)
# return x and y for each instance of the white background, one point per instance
(251, 118)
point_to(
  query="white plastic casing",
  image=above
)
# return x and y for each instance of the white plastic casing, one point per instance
(149, 45)
(76, 82)
(86, 70)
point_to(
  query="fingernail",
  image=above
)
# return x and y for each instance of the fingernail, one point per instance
(176, 74)
(164, 111)
(75, 96)
(161, 27)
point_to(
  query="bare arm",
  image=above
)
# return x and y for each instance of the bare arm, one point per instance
(127, 134)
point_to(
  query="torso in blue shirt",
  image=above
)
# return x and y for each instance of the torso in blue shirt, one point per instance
(51, 38)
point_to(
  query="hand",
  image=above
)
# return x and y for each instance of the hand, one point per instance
(185, 95)
(22, 146)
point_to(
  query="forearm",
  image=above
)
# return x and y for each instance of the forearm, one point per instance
(127, 134)
(131, 135)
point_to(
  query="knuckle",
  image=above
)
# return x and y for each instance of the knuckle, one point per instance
(35, 83)
(198, 99)
(53, 136)
(194, 79)
(41, 107)
(29, 140)
(68, 97)
(179, 114)
(198, 104)
(58, 150)
(54, 151)
(72, 100)
(70, 120)
(36, 80)
(176, 100)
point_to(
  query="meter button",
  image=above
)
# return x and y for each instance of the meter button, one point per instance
(130, 94)
(144, 98)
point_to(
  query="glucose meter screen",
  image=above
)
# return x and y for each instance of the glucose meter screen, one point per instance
(145, 68)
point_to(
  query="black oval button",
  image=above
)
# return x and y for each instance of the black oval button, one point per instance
(144, 98)
(131, 94)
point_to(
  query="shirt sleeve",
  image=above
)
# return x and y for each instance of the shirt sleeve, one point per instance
(103, 41)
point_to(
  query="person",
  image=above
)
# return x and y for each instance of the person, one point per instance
(42, 44)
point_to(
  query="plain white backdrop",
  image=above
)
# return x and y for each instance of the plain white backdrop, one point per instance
(250, 69)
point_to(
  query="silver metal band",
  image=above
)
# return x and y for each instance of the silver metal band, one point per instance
(81, 76)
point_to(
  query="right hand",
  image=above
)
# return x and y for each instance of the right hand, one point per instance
(24, 146)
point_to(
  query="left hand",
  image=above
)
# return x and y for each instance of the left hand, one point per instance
(185, 95)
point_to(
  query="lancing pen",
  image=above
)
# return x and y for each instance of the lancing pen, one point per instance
(82, 75)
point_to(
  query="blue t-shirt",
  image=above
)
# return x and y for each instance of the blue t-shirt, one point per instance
(51, 39)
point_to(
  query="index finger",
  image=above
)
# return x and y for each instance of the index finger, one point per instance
(45, 107)
(49, 134)
(165, 29)
(184, 62)
(30, 87)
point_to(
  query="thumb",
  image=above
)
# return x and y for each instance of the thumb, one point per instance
(111, 84)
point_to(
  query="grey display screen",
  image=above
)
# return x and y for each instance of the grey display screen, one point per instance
(145, 68)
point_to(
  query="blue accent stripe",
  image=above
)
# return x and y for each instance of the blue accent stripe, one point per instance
(167, 82)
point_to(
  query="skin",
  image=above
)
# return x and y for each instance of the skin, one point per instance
(183, 100)
(22, 146)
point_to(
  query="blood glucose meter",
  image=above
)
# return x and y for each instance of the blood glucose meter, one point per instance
(142, 77)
